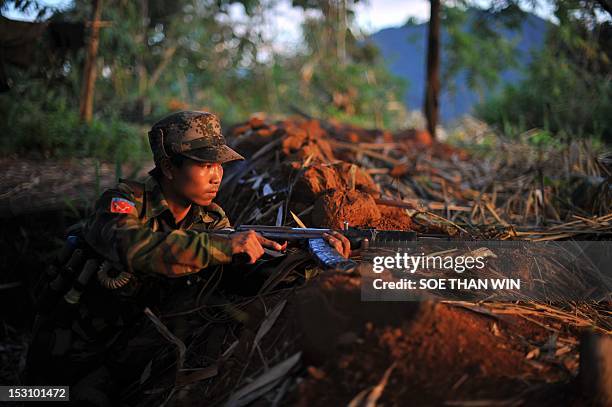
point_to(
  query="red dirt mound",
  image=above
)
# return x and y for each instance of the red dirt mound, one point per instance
(320, 178)
(440, 353)
(393, 219)
(355, 207)
(306, 139)
(419, 137)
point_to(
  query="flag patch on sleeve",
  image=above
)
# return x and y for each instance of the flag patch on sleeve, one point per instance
(120, 205)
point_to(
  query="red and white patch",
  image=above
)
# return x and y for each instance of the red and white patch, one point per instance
(120, 205)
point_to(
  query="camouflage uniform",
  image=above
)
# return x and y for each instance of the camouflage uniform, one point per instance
(133, 225)
(147, 240)
(108, 340)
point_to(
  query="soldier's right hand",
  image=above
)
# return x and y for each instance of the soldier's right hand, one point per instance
(251, 244)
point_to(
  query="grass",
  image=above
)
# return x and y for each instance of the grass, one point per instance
(56, 132)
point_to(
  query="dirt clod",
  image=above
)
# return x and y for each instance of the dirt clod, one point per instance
(355, 207)
(320, 178)
(393, 219)
(306, 139)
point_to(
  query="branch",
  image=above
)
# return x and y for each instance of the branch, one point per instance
(168, 54)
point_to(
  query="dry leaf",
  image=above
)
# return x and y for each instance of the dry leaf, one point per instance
(534, 353)
(266, 381)
(267, 324)
(316, 374)
(297, 220)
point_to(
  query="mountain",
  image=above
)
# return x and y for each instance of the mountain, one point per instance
(404, 51)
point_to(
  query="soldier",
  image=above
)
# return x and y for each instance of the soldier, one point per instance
(154, 238)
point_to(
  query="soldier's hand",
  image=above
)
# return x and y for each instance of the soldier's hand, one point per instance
(251, 244)
(339, 242)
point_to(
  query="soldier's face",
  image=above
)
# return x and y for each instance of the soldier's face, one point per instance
(198, 182)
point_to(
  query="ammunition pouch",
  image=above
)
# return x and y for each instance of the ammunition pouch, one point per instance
(113, 278)
(78, 269)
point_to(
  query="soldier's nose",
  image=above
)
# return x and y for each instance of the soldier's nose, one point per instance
(216, 174)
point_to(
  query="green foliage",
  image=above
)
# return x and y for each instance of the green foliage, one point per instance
(567, 87)
(156, 57)
(355, 88)
(58, 132)
(557, 95)
(542, 138)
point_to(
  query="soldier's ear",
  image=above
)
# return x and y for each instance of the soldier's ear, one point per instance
(166, 167)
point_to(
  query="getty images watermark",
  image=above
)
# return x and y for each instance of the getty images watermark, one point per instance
(488, 270)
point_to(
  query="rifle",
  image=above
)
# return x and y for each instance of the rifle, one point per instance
(326, 255)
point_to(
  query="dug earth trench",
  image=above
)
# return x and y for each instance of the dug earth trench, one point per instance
(387, 353)
(435, 354)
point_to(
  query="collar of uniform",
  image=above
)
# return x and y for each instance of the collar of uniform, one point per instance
(156, 204)
(204, 214)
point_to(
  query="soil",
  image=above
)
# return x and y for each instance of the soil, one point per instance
(419, 137)
(439, 353)
(320, 178)
(354, 134)
(306, 139)
(355, 207)
(392, 218)
(31, 186)
(299, 139)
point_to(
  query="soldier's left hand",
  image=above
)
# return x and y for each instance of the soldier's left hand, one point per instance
(339, 242)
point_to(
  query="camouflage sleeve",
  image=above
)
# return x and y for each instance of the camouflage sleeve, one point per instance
(119, 235)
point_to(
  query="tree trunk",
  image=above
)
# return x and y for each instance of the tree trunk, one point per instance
(89, 71)
(341, 34)
(432, 89)
(141, 70)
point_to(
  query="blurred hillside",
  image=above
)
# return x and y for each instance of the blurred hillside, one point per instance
(404, 50)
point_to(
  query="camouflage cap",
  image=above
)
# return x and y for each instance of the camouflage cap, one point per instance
(196, 135)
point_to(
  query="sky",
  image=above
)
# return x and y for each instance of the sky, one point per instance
(371, 15)
(282, 22)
